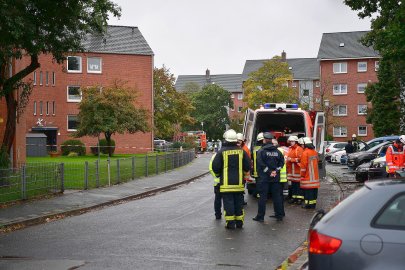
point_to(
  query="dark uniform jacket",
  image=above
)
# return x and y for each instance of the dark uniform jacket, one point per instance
(229, 163)
(269, 159)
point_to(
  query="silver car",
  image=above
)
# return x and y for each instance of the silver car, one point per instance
(365, 231)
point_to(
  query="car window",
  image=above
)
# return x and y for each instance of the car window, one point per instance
(340, 145)
(393, 215)
(372, 144)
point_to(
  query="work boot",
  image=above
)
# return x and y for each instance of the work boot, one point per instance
(258, 219)
(292, 201)
(230, 225)
(218, 216)
(298, 202)
(239, 224)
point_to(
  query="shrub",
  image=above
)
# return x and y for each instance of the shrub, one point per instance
(103, 147)
(72, 154)
(73, 146)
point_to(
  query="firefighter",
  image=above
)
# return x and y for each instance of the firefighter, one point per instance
(230, 163)
(395, 156)
(355, 143)
(269, 163)
(254, 173)
(293, 170)
(309, 174)
(218, 198)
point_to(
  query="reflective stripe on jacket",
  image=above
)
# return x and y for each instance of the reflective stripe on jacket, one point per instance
(293, 165)
(395, 158)
(255, 149)
(216, 177)
(309, 169)
(283, 171)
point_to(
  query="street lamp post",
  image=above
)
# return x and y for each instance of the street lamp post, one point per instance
(326, 104)
(202, 126)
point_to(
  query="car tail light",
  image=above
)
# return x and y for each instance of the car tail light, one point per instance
(327, 150)
(323, 244)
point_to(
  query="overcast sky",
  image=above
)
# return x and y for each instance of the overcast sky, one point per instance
(189, 36)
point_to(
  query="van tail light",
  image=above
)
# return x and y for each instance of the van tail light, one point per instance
(323, 244)
(327, 150)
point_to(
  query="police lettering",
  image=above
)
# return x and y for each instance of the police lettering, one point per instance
(272, 154)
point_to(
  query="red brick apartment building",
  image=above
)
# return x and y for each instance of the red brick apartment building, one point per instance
(122, 53)
(346, 67)
(230, 82)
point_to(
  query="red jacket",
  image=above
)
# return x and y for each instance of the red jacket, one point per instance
(293, 163)
(395, 158)
(309, 169)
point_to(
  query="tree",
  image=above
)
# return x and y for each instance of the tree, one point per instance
(29, 28)
(171, 108)
(387, 36)
(191, 88)
(109, 111)
(211, 108)
(269, 84)
(236, 123)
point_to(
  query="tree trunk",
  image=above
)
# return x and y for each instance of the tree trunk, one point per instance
(11, 121)
(108, 139)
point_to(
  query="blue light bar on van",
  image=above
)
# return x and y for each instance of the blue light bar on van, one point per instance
(280, 105)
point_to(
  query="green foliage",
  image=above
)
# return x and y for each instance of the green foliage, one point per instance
(269, 84)
(191, 88)
(73, 154)
(103, 147)
(75, 146)
(211, 105)
(171, 108)
(237, 124)
(4, 158)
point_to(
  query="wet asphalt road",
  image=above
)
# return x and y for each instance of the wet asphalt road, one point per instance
(171, 230)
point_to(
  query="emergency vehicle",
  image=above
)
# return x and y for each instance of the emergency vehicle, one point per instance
(200, 138)
(283, 120)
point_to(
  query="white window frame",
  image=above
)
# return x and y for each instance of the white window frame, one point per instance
(80, 65)
(35, 108)
(359, 133)
(41, 107)
(358, 109)
(338, 67)
(72, 99)
(341, 133)
(317, 84)
(240, 96)
(53, 108)
(335, 93)
(233, 109)
(101, 65)
(360, 85)
(358, 66)
(67, 123)
(46, 78)
(294, 84)
(41, 78)
(47, 108)
(336, 110)
(376, 65)
(53, 78)
(35, 78)
(232, 96)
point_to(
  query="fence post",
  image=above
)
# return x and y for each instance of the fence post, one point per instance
(178, 159)
(133, 167)
(109, 171)
(62, 177)
(165, 161)
(86, 175)
(97, 174)
(23, 183)
(157, 163)
(118, 171)
(146, 165)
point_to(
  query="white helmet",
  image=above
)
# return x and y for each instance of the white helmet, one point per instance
(230, 135)
(239, 136)
(402, 138)
(300, 141)
(260, 136)
(354, 136)
(307, 140)
(293, 138)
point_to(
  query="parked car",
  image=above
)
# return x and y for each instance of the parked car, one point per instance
(335, 157)
(161, 145)
(365, 231)
(332, 148)
(379, 140)
(371, 170)
(357, 158)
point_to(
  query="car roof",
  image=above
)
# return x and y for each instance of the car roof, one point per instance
(385, 138)
(398, 183)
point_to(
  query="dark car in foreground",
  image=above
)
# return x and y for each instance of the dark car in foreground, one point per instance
(364, 231)
(371, 170)
(355, 159)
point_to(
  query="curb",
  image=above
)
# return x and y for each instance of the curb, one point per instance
(5, 228)
(293, 256)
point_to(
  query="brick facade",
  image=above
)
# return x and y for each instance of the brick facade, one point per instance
(238, 105)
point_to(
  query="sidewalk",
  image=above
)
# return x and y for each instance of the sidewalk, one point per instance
(71, 203)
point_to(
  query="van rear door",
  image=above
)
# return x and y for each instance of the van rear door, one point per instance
(319, 141)
(248, 126)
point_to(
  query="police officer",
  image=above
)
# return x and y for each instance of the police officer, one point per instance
(230, 163)
(309, 174)
(270, 161)
(218, 198)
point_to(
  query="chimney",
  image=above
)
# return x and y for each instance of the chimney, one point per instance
(283, 56)
(207, 76)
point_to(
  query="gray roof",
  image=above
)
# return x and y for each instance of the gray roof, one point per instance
(301, 68)
(118, 40)
(331, 48)
(230, 82)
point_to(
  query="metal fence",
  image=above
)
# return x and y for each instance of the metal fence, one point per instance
(34, 179)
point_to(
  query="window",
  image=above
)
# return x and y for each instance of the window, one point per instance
(361, 109)
(240, 96)
(53, 108)
(239, 109)
(361, 66)
(47, 108)
(35, 78)
(40, 108)
(94, 65)
(376, 65)
(317, 84)
(35, 108)
(74, 94)
(53, 78)
(361, 88)
(232, 96)
(72, 122)
(294, 84)
(340, 67)
(305, 92)
(40, 78)
(339, 131)
(340, 89)
(340, 110)
(393, 214)
(362, 131)
(74, 64)
(47, 78)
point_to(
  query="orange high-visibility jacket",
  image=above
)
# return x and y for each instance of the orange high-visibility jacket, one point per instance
(309, 169)
(246, 149)
(293, 163)
(395, 158)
